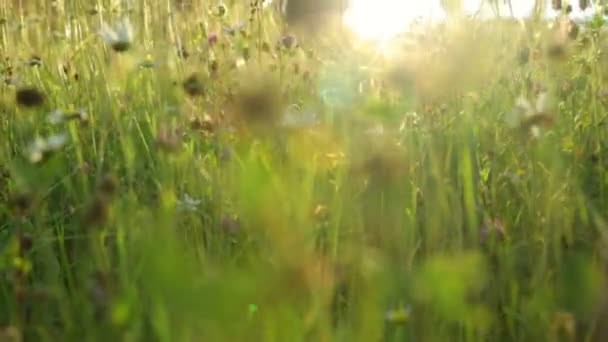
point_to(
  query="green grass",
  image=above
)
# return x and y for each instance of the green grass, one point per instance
(185, 211)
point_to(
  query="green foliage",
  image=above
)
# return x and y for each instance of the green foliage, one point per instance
(199, 172)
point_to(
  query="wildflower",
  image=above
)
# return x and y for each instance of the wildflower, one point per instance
(193, 85)
(148, 63)
(167, 140)
(492, 230)
(231, 30)
(399, 316)
(212, 39)
(59, 116)
(41, 149)
(204, 124)
(410, 120)
(29, 97)
(119, 38)
(187, 203)
(35, 61)
(321, 213)
(531, 117)
(240, 63)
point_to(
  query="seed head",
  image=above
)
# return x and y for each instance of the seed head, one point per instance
(193, 85)
(21, 203)
(26, 241)
(107, 186)
(221, 10)
(259, 101)
(97, 213)
(168, 140)
(288, 41)
(29, 97)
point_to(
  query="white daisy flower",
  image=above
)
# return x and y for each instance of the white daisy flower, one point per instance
(59, 116)
(43, 148)
(119, 38)
(188, 203)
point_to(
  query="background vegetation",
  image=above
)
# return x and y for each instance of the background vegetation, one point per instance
(226, 175)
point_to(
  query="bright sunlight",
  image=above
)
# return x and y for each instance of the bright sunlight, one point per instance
(380, 20)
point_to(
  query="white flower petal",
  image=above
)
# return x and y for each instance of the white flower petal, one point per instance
(56, 141)
(56, 117)
(125, 31)
(108, 34)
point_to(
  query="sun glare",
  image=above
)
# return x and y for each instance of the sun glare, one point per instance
(380, 20)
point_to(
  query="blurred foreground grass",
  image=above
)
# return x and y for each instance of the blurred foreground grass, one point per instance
(214, 176)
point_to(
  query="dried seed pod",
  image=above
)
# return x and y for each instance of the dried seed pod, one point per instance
(98, 212)
(556, 4)
(107, 186)
(193, 85)
(22, 203)
(29, 97)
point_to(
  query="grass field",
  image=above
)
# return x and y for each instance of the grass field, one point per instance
(169, 174)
